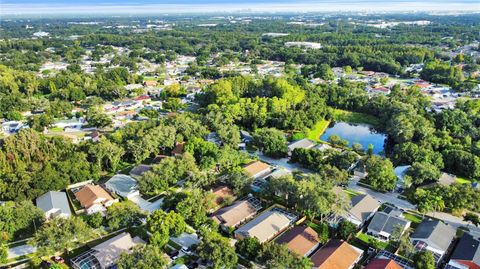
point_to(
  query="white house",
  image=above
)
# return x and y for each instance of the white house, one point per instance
(54, 204)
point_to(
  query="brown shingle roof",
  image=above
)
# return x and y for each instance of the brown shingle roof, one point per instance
(233, 215)
(299, 239)
(178, 149)
(336, 254)
(255, 167)
(150, 83)
(90, 193)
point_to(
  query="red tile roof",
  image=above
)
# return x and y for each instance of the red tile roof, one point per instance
(336, 254)
(382, 264)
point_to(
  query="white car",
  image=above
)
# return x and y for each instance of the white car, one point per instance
(186, 251)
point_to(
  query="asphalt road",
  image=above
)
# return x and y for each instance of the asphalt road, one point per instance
(20, 251)
(391, 197)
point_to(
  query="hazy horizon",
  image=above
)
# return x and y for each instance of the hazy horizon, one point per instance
(92, 7)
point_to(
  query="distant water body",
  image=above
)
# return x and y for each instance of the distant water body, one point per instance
(357, 133)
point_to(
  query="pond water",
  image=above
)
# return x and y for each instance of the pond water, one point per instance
(356, 133)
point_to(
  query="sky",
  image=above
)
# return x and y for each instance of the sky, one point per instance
(18, 7)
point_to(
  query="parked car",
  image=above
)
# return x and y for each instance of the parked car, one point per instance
(186, 251)
(58, 259)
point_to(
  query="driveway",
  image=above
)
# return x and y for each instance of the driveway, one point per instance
(20, 251)
(283, 162)
(389, 197)
(456, 222)
(146, 205)
(186, 239)
(392, 198)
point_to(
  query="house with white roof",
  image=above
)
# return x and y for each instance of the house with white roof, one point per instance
(267, 225)
(123, 185)
(54, 204)
(302, 144)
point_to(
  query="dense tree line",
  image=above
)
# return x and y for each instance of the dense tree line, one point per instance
(32, 164)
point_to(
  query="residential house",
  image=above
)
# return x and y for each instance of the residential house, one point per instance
(54, 204)
(323, 147)
(214, 138)
(302, 240)
(70, 125)
(434, 236)
(384, 224)
(267, 225)
(466, 254)
(178, 150)
(336, 254)
(379, 90)
(363, 208)
(300, 144)
(386, 255)
(94, 198)
(257, 169)
(447, 179)
(12, 127)
(280, 172)
(143, 98)
(246, 136)
(139, 170)
(104, 255)
(131, 87)
(382, 264)
(150, 83)
(305, 45)
(237, 213)
(122, 185)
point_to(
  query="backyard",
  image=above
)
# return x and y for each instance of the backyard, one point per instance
(355, 117)
(317, 130)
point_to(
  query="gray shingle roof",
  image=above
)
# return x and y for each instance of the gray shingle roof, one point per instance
(434, 233)
(54, 200)
(139, 170)
(468, 249)
(303, 143)
(123, 185)
(383, 222)
(363, 205)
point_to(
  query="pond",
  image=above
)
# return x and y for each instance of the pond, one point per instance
(356, 133)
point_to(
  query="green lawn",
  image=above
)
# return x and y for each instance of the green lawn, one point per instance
(463, 180)
(149, 78)
(415, 219)
(369, 239)
(355, 117)
(314, 226)
(56, 129)
(317, 130)
(351, 193)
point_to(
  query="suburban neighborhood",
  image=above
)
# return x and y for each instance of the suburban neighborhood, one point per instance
(290, 140)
